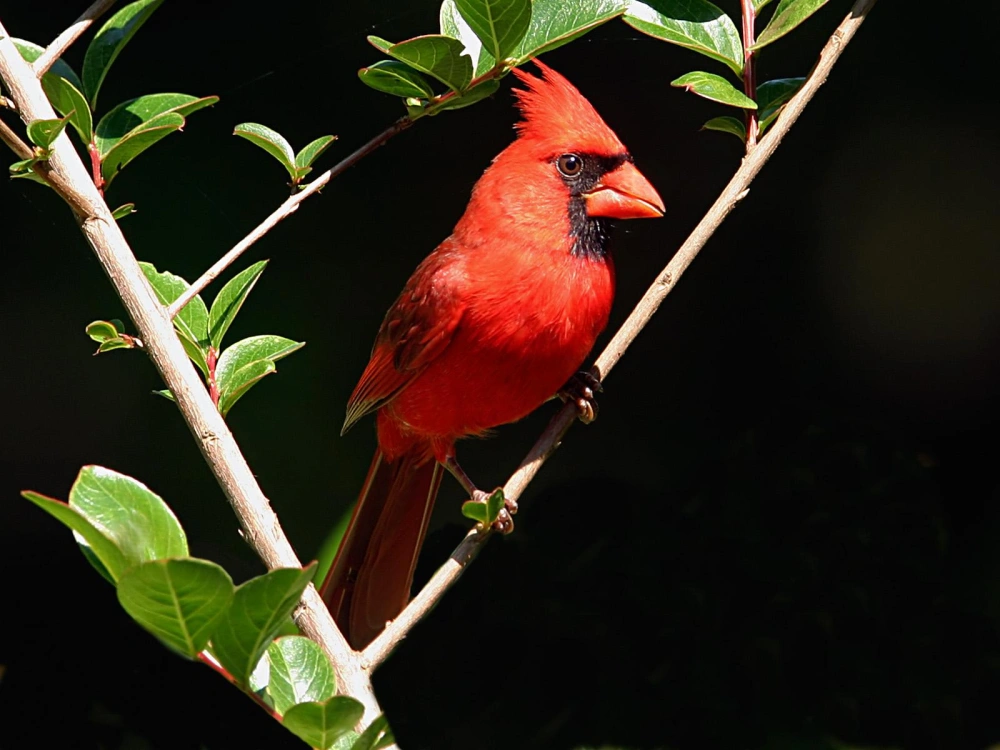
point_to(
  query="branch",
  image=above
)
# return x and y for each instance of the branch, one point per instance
(13, 140)
(545, 446)
(62, 42)
(285, 210)
(72, 181)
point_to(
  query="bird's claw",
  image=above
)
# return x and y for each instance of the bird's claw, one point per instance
(580, 391)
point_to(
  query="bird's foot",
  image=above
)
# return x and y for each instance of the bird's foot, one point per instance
(580, 390)
(504, 523)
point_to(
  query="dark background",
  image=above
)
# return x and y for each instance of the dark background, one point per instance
(781, 532)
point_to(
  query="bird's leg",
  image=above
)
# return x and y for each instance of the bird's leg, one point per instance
(580, 390)
(504, 523)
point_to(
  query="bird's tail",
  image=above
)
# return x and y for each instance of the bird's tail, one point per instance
(369, 581)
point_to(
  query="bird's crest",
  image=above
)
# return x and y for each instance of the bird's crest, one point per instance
(555, 112)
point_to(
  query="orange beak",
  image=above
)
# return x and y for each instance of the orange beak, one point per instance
(624, 194)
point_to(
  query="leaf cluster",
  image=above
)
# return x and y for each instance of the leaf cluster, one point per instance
(703, 27)
(127, 129)
(133, 539)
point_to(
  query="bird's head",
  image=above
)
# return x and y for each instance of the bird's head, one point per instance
(567, 172)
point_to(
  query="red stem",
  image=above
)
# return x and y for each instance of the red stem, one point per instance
(95, 167)
(749, 74)
(212, 361)
(209, 661)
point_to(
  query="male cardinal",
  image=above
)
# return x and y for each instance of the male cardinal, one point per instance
(492, 324)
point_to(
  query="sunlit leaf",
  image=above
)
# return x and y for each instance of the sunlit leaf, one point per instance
(556, 22)
(259, 608)
(321, 724)
(452, 24)
(499, 24)
(128, 513)
(473, 95)
(138, 140)
(714, 87)
(126, 209)
(394, 77)
(67, 100)
(106, 45)
(127, 116)
(229, 301)
(31, 52)
(311, 151)
(87, 534)
(243, 364)
(788, 15)
(696, 24)
(178, 601)
(44, 132)
(271, 141)
(299, 672)
(438, 56)
(376, 736)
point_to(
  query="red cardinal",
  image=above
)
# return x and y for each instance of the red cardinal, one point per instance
(492, 324)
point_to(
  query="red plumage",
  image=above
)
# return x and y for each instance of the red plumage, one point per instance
(490, 325)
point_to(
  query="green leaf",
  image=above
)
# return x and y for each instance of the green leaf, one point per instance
(727, 124)
(299, 672)
(556, 22)
(258, 611)
(269, 140)
(346, 741)
(242, 365)
(788, 15)
(311, 151)
(21, 168)
(191, 323)
(394, 77)
(499, 24)
(452, 24)
(695, 24)
(376, 736)
(44, 132)
(126, 209)
(127, 116)
(90, 538)
(102, 330)
(31, 52)
(229, 301)
(476, 510)
(166, 394)
(494, 504)
(473, 95)
(67, 100)
(137, 141)
(436, 55)
(129, 514)
(771, 97)
(109, 42)
(178, 601)
(714, 87)
(758, 5)
(112, 344)
(321, 724)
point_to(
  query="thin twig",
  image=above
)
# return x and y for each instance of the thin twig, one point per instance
(283, 211)
(213, 436)
(62, 42)
(545, 446)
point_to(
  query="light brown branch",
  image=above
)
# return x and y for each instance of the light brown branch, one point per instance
(13, 140)
(283, 211)
(217, 444)
(545, 446)
(62, 42)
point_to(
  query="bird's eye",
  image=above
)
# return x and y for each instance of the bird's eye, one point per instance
(570, 165)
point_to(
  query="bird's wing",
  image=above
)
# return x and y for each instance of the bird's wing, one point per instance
(417, 328)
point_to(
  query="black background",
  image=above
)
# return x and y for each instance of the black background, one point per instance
(780, 533)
